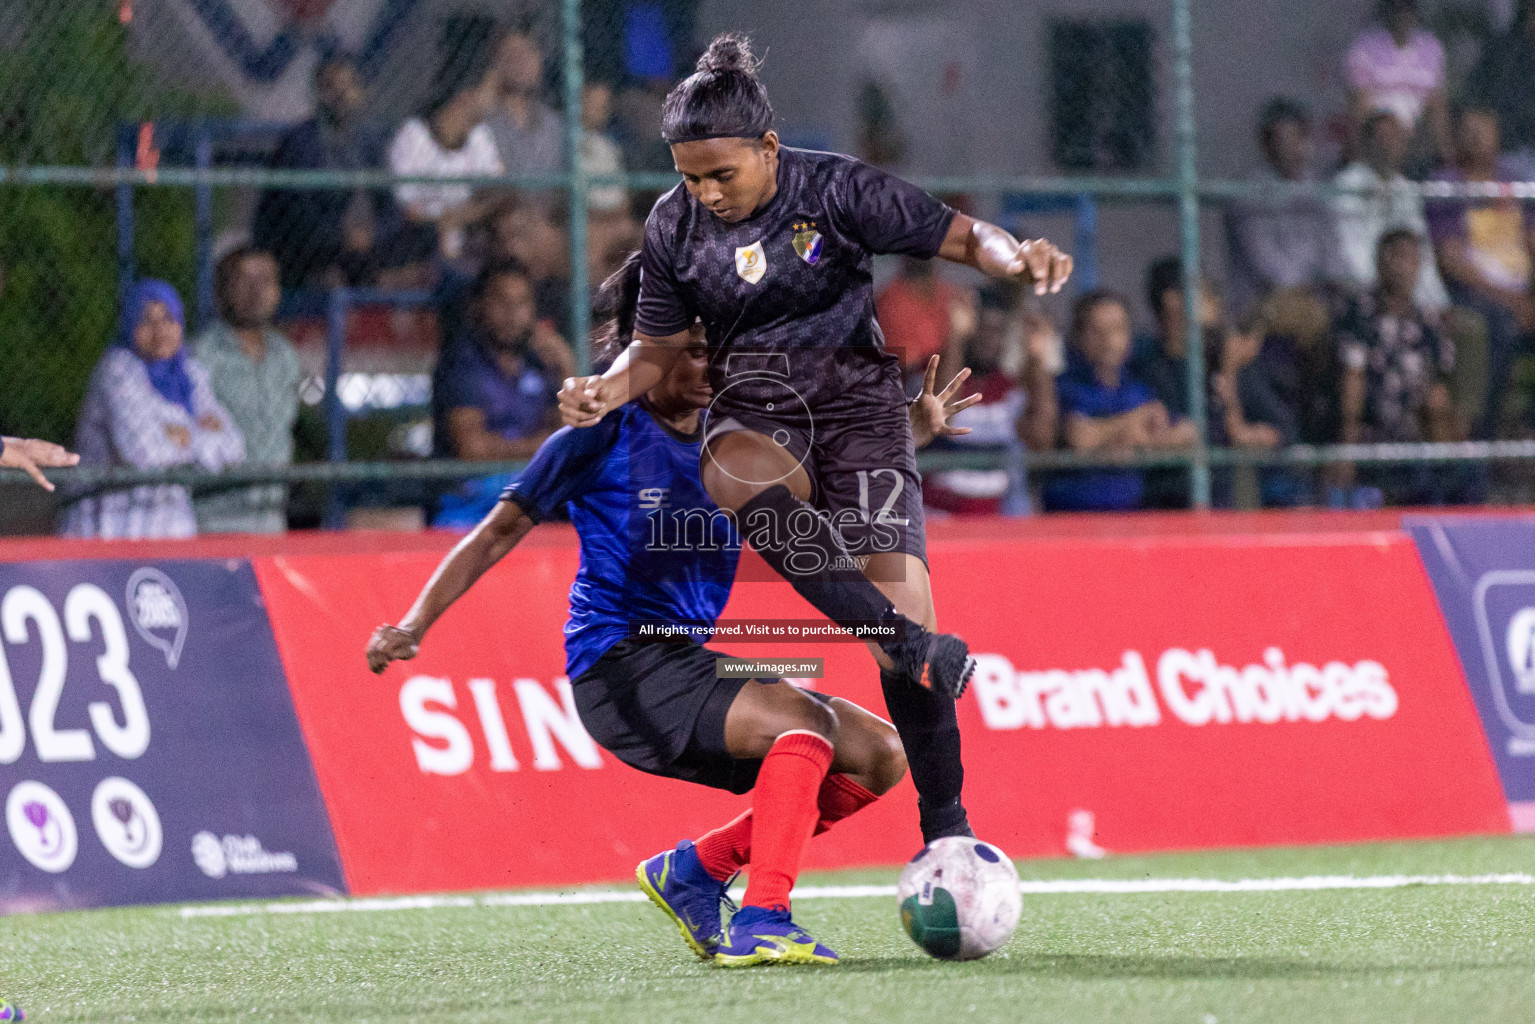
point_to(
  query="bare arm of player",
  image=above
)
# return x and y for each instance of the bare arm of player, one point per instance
(994, 252)
(931, 413)
(470, 559)
(28, 454)
(640, 367)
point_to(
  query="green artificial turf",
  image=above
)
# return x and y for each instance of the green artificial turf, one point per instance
(1424, 953)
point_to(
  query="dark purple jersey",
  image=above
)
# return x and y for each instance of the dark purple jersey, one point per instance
(797, 273)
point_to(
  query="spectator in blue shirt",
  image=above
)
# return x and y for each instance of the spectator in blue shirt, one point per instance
(1104, 409)
(494, 390)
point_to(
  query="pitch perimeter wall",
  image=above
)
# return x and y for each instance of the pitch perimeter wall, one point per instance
(195, 720)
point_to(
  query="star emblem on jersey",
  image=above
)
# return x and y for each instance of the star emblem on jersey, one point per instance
(751, 262)
(808, 241)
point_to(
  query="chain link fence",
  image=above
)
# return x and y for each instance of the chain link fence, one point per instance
(384, 152)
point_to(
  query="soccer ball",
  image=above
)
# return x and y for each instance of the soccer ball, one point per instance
(959, 898)
(10, 1013)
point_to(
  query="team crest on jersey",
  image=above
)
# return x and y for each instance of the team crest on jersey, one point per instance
(808, 241)
(751, 261)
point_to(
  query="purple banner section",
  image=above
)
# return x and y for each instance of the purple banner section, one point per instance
(1483, 572)
(149, 750)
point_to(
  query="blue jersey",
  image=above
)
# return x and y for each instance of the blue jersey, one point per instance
(657, 555)
(1080, 392)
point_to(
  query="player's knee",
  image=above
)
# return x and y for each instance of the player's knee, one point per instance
(728, 488)
(888, 760)
(813, 716)
(739, 466)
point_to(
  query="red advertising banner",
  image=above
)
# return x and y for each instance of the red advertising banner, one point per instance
(1134, 693)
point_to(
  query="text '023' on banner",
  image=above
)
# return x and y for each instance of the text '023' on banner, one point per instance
(149, 744)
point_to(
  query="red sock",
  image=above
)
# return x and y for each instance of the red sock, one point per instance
(840, 796)
(784, 814)
(728, 848)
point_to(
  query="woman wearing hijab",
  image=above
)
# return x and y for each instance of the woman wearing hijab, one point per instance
(149, 406)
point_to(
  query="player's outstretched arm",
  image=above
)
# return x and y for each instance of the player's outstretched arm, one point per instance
(470, 558)
(32, 455)
(994, 252)
(640, 367)
(931, 413)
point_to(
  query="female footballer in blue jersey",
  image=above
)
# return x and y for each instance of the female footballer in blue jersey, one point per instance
(772, 249)
(632, 490)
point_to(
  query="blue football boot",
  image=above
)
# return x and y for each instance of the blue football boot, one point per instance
(676, 882)
(758, 936)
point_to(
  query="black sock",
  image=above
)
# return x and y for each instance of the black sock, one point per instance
(929, 731)
(803, 548)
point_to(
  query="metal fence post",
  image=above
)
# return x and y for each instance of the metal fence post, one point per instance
(580, 287)
(335, 413)
(203, 229)
(124, 193)
(1188, 223)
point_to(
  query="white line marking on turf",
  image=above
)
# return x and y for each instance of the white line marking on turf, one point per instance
(1307, 883)
(1044, 887)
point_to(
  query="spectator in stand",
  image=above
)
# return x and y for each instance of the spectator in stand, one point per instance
(1282, 243)
(448, 140)
(529, 136)
(1250, 396)
(638, 128)
(522, 233)
(920, 313)
(306, 229)
(255, 374)
(1501, 82)
(1161, 358)
(1398, 65)
(1104, 409)
(1245, 409)
(527, 234)
(494, 391)
(1014, 355)
(612, 230)
(1485, 249)
(1383, 200)
(149, 406)
(600, 155)
(1396, 377)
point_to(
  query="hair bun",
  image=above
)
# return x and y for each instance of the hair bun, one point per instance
(730, 51)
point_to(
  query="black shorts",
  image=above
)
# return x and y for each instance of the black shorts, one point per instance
(657, 706)
(854, 442)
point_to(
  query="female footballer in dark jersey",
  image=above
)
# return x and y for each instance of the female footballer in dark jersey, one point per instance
(772, 249)
(658, 704)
